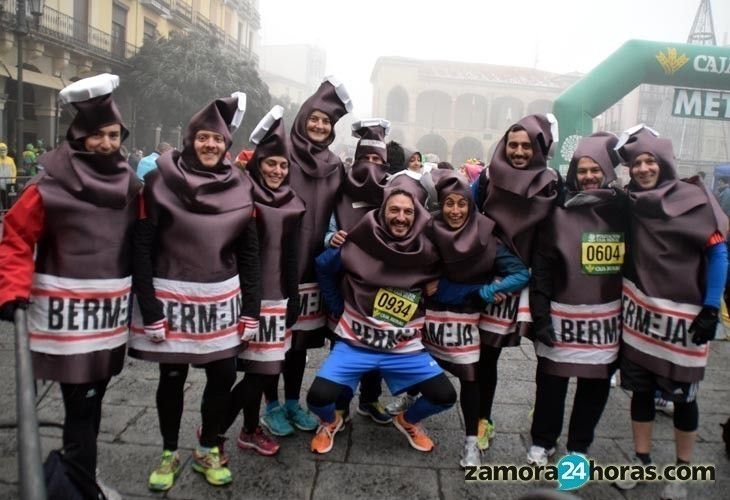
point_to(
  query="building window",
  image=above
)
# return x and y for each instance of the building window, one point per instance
(150, 30)
(119, 29)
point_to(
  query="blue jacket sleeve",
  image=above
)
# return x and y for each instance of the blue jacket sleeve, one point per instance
(328, 266)
(451, 293)
(515, 275)
(716, 274)
(331, 230)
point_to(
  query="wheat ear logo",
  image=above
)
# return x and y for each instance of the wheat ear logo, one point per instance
(671, 61)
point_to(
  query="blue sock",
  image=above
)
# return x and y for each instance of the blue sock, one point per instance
(423, 408)
(325, 413)
(272, 405)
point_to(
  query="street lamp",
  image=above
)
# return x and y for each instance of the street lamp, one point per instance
(22, 30)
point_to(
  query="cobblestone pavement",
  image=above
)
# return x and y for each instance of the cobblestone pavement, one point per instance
(368, 461)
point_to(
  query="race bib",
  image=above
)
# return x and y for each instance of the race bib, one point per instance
(395, 306)
(602, 253)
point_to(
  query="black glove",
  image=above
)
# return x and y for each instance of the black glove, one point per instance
(704, 325)
(546, 335)
(726, 297)
(292, 311)
(7, 310)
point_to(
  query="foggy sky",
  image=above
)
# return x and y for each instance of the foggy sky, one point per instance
(559, 35)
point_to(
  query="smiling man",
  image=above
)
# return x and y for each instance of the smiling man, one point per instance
(575, 298)
(388, 265)
(675, 274)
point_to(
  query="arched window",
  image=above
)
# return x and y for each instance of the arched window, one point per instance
(465, 148)
(540, 106)
(505, 111)
(432, 143)
(396, 105)
(471, 112)
(433, 109)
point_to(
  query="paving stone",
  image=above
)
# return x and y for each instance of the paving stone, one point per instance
(374, 481)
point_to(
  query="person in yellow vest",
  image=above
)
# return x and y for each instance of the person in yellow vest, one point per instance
(8, 172)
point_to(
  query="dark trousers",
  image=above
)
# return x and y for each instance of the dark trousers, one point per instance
(82, 404)
(220, 376)
(547, 422)
(246, 396)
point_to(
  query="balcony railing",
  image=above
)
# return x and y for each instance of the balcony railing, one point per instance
(59, 28)
(183, 10)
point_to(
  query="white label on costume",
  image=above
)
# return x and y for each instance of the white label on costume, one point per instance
(362, 204)
(585, 334)
(74, 316)
(523, 309)
(371, 332)
(452, 336)
(311, 310)
(273, 338)
(202, 318)
(660, 328)
(500, 318)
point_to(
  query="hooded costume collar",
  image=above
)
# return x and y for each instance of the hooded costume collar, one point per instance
(270, 139)
(314, 158)
(365, 181)
(202, 189)
(543, 133)
(411, 251)
(600, 148)
(103, 180)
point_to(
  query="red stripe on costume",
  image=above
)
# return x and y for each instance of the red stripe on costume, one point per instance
(680, 350)
(489, 319)
(585, 346)
(180, 297)
(562, 314)
(273, 310)
(446, 350)
(658, 309)
(193, 336)
(77, 337)
(69, 294)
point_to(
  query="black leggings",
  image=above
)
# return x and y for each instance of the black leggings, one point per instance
(82, 405)
(686, 415)
(220, 376)
(438, 390)
(294, 363)
(246, 396)
(487, 375)
(547, 421)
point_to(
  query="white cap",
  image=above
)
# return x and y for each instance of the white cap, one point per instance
(263, 127)
(88, 88)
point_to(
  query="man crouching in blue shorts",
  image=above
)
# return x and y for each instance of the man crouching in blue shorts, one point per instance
(385, 266)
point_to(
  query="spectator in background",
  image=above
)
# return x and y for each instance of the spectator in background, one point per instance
(29, 160)
(723, 194)
(444, 165)
(134, 159)
(243, 158)
(149, 162)
(8, 173)
(471, 169)
(396, 157)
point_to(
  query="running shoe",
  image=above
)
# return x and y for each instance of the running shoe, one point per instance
(209, 464)
(628, 483)
(221, 444)
(324, 439)
(417, 437)
(674, 491)
(470, 456)
(276, 423)
(401, 404)
(539, 455)
(485, 433)
(258, 440)
(163, 477)
(300, 418)
(664, 406)
(375, 411)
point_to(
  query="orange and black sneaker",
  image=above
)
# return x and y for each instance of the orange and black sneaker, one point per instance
(417, 437)
(324, 439)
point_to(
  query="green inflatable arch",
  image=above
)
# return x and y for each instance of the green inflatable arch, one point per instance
(634, 63)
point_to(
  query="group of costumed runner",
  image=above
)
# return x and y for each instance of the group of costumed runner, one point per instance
(406, 275)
